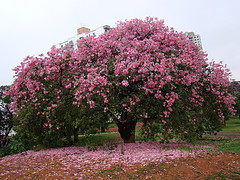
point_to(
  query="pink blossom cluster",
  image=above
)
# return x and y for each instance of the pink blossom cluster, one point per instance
(78, 160)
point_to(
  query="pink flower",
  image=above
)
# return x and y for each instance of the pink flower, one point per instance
(106, 100)
(125, 83)
(68, 86)
(54, 105)
(74, 103)
(50, 125)
(128, 109)
(146, 115)
(137, 99)
(105, 109)
(165, 113)
(91, 104)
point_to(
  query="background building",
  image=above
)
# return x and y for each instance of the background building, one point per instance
(194, 38)
(83, 32)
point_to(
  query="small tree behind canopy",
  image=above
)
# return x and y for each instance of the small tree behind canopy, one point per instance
(6, 121)
(139, 71)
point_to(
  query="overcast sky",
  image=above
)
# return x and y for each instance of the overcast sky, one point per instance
(31, 27)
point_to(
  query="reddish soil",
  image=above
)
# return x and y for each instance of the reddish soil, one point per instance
(223, 165)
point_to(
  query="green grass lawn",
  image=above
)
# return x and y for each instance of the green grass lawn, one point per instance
(233, 124)
(233, 147)
(97, 139)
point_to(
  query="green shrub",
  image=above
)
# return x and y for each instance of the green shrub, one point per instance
(16, 147)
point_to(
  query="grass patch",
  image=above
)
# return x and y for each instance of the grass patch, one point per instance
(146, 172)
(113, 172)
(225, 144)
(111, 126)
(231, 147)
(97, 139)
(221, 175)
(190, 149)
(233, 124)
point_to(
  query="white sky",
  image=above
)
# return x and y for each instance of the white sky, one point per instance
(31, 27)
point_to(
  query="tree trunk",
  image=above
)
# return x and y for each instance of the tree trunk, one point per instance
(102, 129)
(1, 141)
(75, 134)
(126, 127)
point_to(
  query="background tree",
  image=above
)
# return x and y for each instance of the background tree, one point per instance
(6, 121)
(235, 91)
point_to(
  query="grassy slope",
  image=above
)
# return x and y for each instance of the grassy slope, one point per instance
(233, 124)
(227, 144)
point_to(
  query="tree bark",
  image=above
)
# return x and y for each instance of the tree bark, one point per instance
(102, 129)
(75, 134)
(126, 127)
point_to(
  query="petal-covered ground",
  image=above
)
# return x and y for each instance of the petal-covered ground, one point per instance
(123, 161)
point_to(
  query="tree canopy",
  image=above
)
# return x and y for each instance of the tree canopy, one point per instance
(139, 71)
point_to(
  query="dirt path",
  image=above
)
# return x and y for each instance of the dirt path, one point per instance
(229, 133)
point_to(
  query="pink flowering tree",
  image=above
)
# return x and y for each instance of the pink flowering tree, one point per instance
(142, 70)
(44, 102)
(139, 71)
(40, 93)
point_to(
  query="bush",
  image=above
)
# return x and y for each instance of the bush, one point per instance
(15, 147)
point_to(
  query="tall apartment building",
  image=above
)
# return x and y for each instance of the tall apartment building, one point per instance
(194, 38)
(83, 32)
